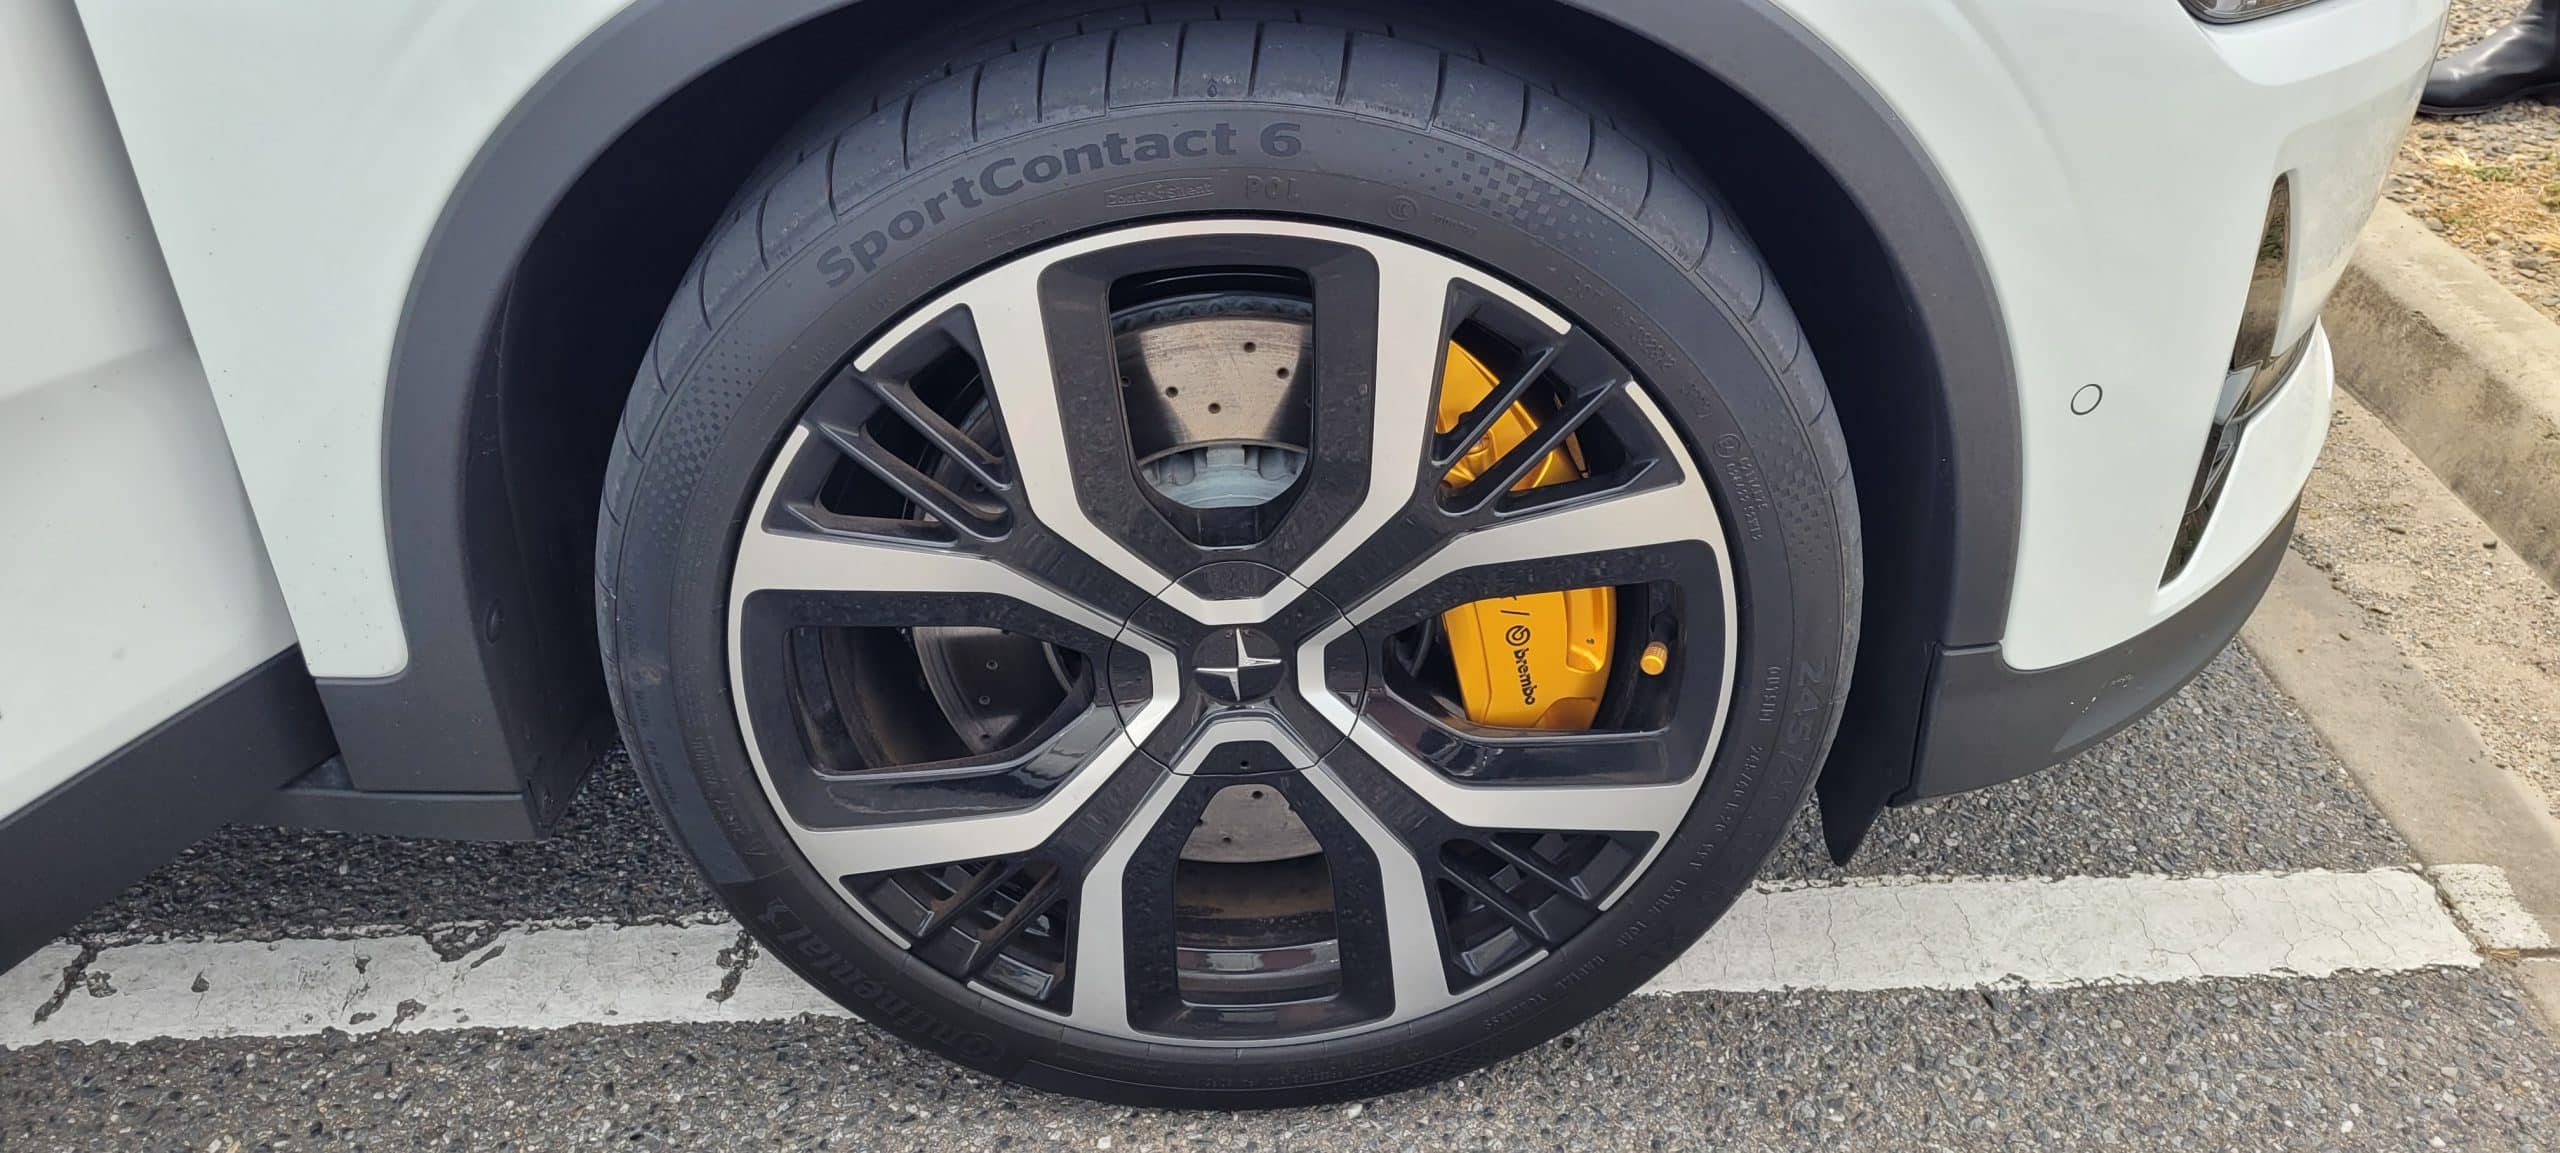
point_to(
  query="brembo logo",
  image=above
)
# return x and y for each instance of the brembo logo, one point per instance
(1007, 175)
(1518, 636)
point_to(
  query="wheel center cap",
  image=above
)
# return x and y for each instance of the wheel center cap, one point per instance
(1284, 684)
(1238, 665)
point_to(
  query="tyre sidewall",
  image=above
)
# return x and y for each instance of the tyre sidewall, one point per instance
(731, 406)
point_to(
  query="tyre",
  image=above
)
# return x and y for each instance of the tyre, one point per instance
(1227, 563)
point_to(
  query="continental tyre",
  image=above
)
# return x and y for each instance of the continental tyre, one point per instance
(1227, 562)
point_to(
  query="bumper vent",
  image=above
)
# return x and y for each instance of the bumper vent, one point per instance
(2258, 369)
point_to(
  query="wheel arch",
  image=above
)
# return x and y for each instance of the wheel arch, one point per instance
(545, 275)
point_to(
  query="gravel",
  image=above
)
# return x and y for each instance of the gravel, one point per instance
(2490, 183)
(2394, 1063)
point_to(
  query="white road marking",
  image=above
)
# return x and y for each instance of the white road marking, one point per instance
(2486, 905)
(1899, 933)
(1915, 933)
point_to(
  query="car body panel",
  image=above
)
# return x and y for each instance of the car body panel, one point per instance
(2072, 190)
(297, 155)
(132, 578)
(2111, 158)
(2114, 160)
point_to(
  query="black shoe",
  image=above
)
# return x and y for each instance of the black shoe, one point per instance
(2519, 60)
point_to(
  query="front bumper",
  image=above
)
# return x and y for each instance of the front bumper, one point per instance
(2114, 160)
(1986, 721)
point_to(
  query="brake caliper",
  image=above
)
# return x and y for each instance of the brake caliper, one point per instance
(1539, 660)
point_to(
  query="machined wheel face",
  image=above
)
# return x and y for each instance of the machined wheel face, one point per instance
(1089, 633)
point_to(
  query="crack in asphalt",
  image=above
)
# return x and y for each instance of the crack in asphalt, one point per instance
(733, 962)
(74, 976)
(455, 941)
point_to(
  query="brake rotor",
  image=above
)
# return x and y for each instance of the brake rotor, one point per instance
(1215, 388)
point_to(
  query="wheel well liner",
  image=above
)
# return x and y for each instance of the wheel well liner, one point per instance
(513, 353)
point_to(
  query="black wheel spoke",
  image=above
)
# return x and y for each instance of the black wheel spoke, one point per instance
(1514, 465)
(983, 464)
(982, 520)
(1502, 906)
(1448, 446)
(981, 881)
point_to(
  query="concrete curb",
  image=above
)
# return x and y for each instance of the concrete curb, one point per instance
(2410, 751)
(2464, 372)
(2403, 742)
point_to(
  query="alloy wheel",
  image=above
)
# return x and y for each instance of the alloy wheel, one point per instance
(1092, 632)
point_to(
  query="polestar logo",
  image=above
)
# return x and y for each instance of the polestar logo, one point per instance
(1238, 665)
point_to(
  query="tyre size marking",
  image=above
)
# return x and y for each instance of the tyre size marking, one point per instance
(1006, 175)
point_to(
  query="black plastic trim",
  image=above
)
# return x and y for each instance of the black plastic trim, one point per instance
(1987, 722)
(126, 815)
(2239, 11)
(325, 798)
(488, 704)
(481, 707)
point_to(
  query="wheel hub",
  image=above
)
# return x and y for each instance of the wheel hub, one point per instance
(1238, 666)
(1243, 684)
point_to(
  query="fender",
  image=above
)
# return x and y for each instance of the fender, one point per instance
(486, 707)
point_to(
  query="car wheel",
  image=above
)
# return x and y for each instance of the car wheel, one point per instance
(1226, 562)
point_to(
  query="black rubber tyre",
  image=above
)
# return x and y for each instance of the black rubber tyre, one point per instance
(1403, 133)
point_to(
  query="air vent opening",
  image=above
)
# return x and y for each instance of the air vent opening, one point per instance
(1004, 922)
(1508, 896)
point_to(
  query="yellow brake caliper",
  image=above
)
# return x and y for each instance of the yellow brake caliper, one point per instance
(1537, 661)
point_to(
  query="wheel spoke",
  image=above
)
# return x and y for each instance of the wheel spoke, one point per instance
(1011, 318)
(840, 853)
(771, 561)
(1661, 511)
(1044, 895)
(982, 463)
(972, 518)
(1421, 300)
(1548, 437)
(1447, 447)
(1529, 758)
(1420, 970)
(1102, 953)
(1462, 872)
(1581, 808)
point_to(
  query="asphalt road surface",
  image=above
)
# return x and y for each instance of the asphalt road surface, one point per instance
(2106, 1044)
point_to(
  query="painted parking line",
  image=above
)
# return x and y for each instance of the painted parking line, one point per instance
(1905, 933)
(2486, 906)
(1892, 933)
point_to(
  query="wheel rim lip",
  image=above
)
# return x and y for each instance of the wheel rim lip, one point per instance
(1167, 666)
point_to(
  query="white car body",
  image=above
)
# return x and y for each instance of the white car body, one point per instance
(2111, 158)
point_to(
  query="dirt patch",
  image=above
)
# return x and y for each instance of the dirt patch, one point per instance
(2478, 619)
(2490, 183)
